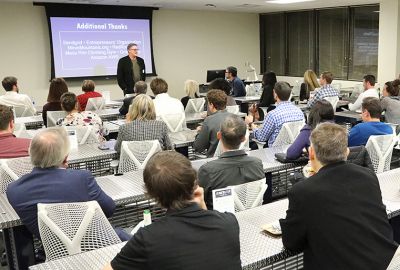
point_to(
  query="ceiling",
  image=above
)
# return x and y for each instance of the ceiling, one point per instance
(253, 6)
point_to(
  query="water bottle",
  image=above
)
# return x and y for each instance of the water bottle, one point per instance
(146, 217)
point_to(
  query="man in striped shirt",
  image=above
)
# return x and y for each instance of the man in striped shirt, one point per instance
(326, 89)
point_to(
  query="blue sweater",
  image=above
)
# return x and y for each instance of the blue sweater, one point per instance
(360, 133)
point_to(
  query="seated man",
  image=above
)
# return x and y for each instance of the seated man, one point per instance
(233, 167)
(371, 113)
(369, 91)
(284, 112)
(51, 182)
(189, 236)
(326, 89)
(336, 217)
(13, 98)
(10, 146)
(238, 89)
(206, 139)
(139, 88)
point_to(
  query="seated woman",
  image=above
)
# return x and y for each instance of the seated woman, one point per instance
(391, 102)
(191, 90)
(69, 103)
(141, 124)
(322, 111)
(309, 84)
(87, 87)
(57, 87)
(267, 97)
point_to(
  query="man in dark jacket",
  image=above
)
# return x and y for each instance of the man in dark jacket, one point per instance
(336, 217)
(131, 69)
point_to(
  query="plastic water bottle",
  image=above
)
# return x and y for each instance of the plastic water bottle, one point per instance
(146, 217)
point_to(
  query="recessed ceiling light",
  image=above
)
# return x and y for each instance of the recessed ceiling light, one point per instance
(286, 1)
(210, 5)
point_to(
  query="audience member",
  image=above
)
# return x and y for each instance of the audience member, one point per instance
(268, 83)
(142, 124)
(285, 112)
(234, 166)
(369, 91)
(321, 111)
(51, 182)
(10, 146)
(309, 84)
(188, 237)
(371, 114)
(58, 86)
(222, 84)
(336, 217)
(87, 87)
(391, 102)
(13, 98)
(326, 89)
(163, 103)
(191, 90)
(139, 88)
(206, 139)
(238, 89)
(69, 103)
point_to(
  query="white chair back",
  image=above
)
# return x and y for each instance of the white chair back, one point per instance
(71, 228)
(249, 195)
(20, 131)
(85, 134)
(380, 149)
(233, 109)
(296, 88)
(333, 101)
(288, 133)
(22, 111)
(244, 145)
(195, 105)
(13, 169)
(175, 122)
(135, 154)
(106, 95)
(95, 104)
(54, 116)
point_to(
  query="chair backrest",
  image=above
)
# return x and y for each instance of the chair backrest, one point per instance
(249, 195)
(333, 101)
(13, 169)
(71, 228)
(174, 122)
(106, 95)
(244, 145)
(22, 111)
(54, 116)
(195, 105)
(288, 133)
(380, 149)
(135, 154)
(20, 131)
(95, 104)
(233, 109)
(84, 134)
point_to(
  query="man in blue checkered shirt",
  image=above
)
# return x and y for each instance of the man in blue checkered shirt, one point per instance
(284, 112)
(326, 89)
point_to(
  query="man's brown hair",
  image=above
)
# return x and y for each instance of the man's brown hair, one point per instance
(373, 106)
(9, 82)
(6, 115)
(328, 76)
(170, 179)
(159, 86)
(58, 86)
(218, 98)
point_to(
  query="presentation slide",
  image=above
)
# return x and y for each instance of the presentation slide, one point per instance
(84, 47)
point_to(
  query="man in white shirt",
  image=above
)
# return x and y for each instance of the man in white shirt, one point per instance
(163, 103)
(369, 91)
(14, 99)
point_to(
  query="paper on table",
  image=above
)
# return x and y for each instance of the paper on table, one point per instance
(273, 228)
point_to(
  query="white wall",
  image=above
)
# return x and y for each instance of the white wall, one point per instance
(185, 43)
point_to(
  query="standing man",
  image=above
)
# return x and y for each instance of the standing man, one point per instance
(238, 89)
(131, 69)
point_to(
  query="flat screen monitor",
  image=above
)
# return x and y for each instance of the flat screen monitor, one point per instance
(215, 74)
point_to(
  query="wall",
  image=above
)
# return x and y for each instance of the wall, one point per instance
(185, 43)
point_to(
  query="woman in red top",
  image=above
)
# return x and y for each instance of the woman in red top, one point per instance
(87, 87)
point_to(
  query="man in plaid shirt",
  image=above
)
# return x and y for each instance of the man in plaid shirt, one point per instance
(284, 112)
(326, 89)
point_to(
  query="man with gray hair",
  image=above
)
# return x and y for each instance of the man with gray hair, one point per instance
(336, 217)
(51, 182)
(234, 166)
(140, 88)
(284, 112)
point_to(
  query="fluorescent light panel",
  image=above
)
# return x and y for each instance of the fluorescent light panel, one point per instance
(286, 1)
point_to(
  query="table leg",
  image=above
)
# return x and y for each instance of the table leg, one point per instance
(19, 247)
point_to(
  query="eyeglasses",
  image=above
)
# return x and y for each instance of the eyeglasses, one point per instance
(134, 49)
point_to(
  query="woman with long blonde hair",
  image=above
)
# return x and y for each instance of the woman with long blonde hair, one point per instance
(191, 90)
(309, 84)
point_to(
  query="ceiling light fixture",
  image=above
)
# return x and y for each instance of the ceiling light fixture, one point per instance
(210, 5)
(286, 1)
